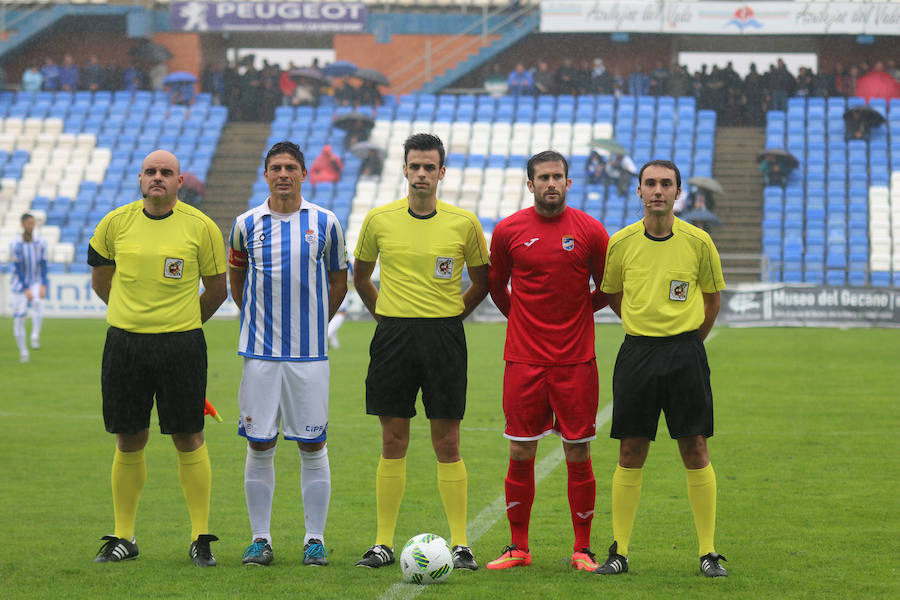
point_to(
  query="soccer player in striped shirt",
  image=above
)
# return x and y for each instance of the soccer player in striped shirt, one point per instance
(288, 274)
(28, 254)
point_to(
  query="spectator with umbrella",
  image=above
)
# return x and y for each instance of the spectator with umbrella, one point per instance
(345, 94)
(192, 190)
(310, 82)
(776, 165)
(357, 125)
(859, 121)
(367, 94)
(373, 158)
(701, 202)
(180, 87)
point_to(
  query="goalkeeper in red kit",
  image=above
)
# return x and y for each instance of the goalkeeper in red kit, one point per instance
(549, 253)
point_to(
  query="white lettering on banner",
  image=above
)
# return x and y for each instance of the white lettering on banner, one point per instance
(721, 18)
(786, 298)
(288, 10)
(864, 299)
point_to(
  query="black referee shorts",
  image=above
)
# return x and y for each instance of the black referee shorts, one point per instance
(669, 374)
(411, 354)
(139, 366)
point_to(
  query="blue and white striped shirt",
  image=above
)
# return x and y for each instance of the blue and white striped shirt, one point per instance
(285, 297)
(29, 260)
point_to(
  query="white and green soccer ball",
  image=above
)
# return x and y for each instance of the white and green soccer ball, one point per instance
(425, 559)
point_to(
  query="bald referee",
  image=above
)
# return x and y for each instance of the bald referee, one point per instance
(423, 245)
(148, 259)
(663, 278)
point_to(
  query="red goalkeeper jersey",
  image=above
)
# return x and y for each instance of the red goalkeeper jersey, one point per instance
(549, 263)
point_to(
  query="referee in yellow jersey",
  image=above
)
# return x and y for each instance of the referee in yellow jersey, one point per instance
(419, 343)
(663, 278)
(148, 259)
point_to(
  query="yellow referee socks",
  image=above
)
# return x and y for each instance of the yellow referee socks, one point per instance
(195, 475)
(129, 474)
(626, 493)
(453, 484)
(390, 483)
(702, 495)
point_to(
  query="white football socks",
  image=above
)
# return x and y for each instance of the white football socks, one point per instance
(259, 486)
(315, 485)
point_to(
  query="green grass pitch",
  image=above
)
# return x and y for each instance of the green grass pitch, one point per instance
(806, 452)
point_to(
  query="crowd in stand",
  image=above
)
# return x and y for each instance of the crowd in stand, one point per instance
(92, 75)
(736, 100)
(252, 94)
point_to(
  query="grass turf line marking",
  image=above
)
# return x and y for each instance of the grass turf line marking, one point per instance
(494, 511)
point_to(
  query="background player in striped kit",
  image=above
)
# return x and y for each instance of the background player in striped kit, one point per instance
(28, 255)
(288, 273)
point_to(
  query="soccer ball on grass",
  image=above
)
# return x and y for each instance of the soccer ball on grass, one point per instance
(426, 558)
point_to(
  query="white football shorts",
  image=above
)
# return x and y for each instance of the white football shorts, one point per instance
(292, 393)
(21, 303)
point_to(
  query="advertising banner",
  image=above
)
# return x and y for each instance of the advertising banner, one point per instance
(312, 17)
(721, 18)
(789, 305)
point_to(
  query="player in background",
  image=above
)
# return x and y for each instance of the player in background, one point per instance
(549, 252)
(148, 259)
(663, 278)
(288, 274)
(419, 342)
(28, 255)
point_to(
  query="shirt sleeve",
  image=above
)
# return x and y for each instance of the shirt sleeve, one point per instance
(711, 278)
(100, 240)
(476, 251)
(336, 252)
(500, 270)
(367, 245)
(612, 272)
(211, 257)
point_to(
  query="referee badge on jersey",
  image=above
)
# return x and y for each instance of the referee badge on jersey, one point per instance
(678, 290)
(174, 268)
(568, 242)
(443, 267)
(310, 236)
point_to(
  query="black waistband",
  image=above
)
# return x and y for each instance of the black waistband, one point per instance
(647, 339)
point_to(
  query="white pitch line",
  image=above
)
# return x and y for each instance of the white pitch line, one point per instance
(494, 511)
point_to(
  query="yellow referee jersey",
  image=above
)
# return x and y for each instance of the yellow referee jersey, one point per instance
(159, 262)
(662, 280)
(421, 258)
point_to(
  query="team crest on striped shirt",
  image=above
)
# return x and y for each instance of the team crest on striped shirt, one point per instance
(310, 236)
(568, 242)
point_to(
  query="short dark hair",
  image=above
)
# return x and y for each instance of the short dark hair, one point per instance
(286, 147)
(25, 217)
(546, 156)
(424, 141)
(668, 164)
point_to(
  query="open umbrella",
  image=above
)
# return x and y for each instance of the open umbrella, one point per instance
(869, 116)
(701, 215)
(609, 145)
(877, 84)
(707, 183)
(362, 149)
(339, 68)
(308, 74)
(150, 52)
(353, 120)
(782, 156)
(371, 75)
(180, 77)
